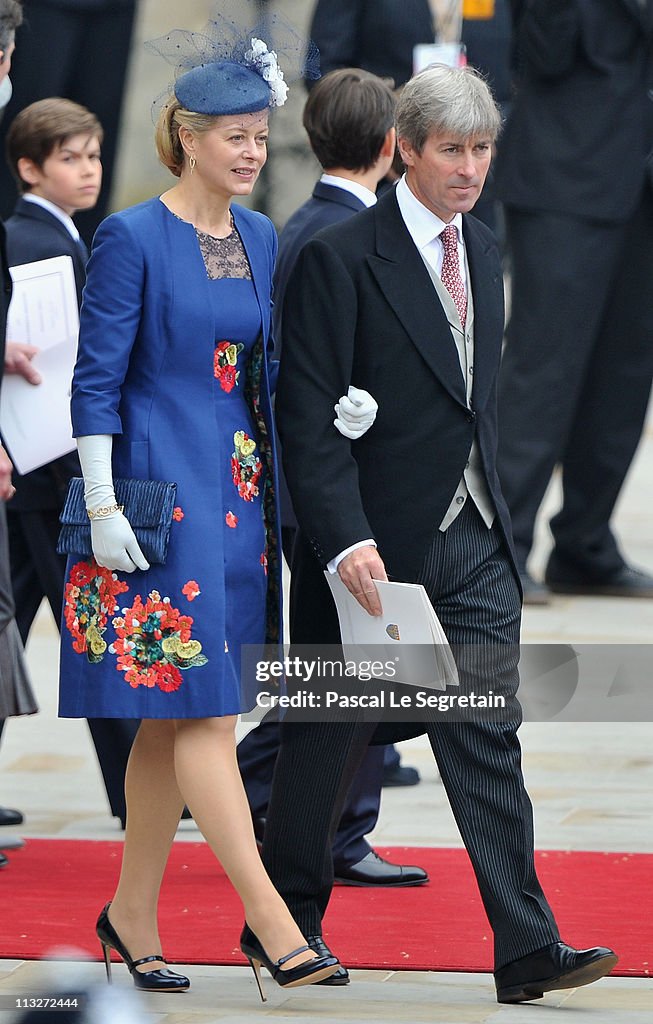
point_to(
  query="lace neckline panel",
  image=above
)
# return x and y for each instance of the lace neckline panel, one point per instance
(224, 257)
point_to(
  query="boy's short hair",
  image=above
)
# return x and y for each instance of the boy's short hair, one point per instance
(347, 116)
(42, 127)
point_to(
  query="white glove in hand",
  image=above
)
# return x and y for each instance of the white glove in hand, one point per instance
(112, 538)
(355, 413)
(114, 544)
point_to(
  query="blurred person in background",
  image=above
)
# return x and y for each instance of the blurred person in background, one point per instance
(380, 36)
(79, 50)
(16, 697)
(574, 171)
(53, 151)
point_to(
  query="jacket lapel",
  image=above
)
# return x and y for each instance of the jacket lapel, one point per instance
(407, 287)
(258, 261)
(34, 212)
(485, 275)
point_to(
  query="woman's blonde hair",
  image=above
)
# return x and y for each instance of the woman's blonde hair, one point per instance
(166, 137)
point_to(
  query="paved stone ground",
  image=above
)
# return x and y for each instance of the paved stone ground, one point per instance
(591, 786)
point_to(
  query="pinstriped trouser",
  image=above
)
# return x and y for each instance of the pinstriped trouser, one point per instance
(471, 585)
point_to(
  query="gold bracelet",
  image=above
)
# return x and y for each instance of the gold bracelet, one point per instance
(106, 510)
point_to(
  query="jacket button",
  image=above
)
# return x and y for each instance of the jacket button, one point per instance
(471, 417)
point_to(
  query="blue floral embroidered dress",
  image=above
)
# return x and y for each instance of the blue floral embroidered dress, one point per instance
(167, 642)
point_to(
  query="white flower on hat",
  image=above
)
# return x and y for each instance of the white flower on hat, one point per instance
(264, 62)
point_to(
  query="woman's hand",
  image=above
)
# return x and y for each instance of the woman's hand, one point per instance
(114, 544)
(355, 413)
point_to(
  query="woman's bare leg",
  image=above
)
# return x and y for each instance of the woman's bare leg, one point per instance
(154, 806)
(208, 776)
(196, 757)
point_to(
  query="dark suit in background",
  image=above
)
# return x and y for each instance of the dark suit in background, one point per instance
(574, 174)
(77, 49)
(16, 697)
(37, 571)
(379, 36)
(257, 752)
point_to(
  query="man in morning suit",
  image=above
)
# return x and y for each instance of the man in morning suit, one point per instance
(575, 172)
(418, 320)
(53, 149)
(349, 119)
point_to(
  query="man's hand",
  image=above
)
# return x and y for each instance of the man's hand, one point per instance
(358, 570)
(18, 359)
(7, 489)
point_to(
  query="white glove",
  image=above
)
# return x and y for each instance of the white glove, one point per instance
(355, 413)
(112, 538)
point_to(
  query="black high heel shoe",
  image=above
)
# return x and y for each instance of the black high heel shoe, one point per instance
(307, 973)
(161, 980)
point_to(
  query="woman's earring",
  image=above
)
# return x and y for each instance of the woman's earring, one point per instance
(191, 163)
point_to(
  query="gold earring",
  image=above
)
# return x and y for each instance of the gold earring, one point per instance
(191, 163)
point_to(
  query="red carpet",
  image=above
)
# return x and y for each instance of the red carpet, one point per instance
(53, 890)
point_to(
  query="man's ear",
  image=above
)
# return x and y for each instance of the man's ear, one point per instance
(406, 151)
(29, 171)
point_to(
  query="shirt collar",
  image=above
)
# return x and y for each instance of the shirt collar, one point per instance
(423, 225)
(56, 211)
(365, 195)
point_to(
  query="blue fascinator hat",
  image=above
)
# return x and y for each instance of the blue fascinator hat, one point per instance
(223, 88)
(229, 68)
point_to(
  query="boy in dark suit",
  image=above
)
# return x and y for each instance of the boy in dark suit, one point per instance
(349, 121)
(53, 150)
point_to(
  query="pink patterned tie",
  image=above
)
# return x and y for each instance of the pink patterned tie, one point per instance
(450, 275)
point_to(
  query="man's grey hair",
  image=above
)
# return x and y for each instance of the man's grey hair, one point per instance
(11, 16)
(446, 101)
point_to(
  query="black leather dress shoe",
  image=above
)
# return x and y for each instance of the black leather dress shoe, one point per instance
(341, 977)
(374, 870)
(534, 593)
(400, 775)
(565, 578)
(259, 831)
(550, 968)
(10, 817)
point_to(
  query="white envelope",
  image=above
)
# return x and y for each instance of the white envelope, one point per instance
(35, 419)
(408, 633)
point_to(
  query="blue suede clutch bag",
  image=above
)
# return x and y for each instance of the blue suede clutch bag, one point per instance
(148, 505)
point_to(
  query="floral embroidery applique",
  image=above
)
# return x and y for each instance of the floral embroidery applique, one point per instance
(231, 520)
(191, 590)
(154, 644)
(246, 467)
(177, 514)
(89, 600)
(225, 359)
(264, 562)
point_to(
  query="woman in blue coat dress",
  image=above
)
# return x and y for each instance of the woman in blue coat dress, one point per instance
(171, 383)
